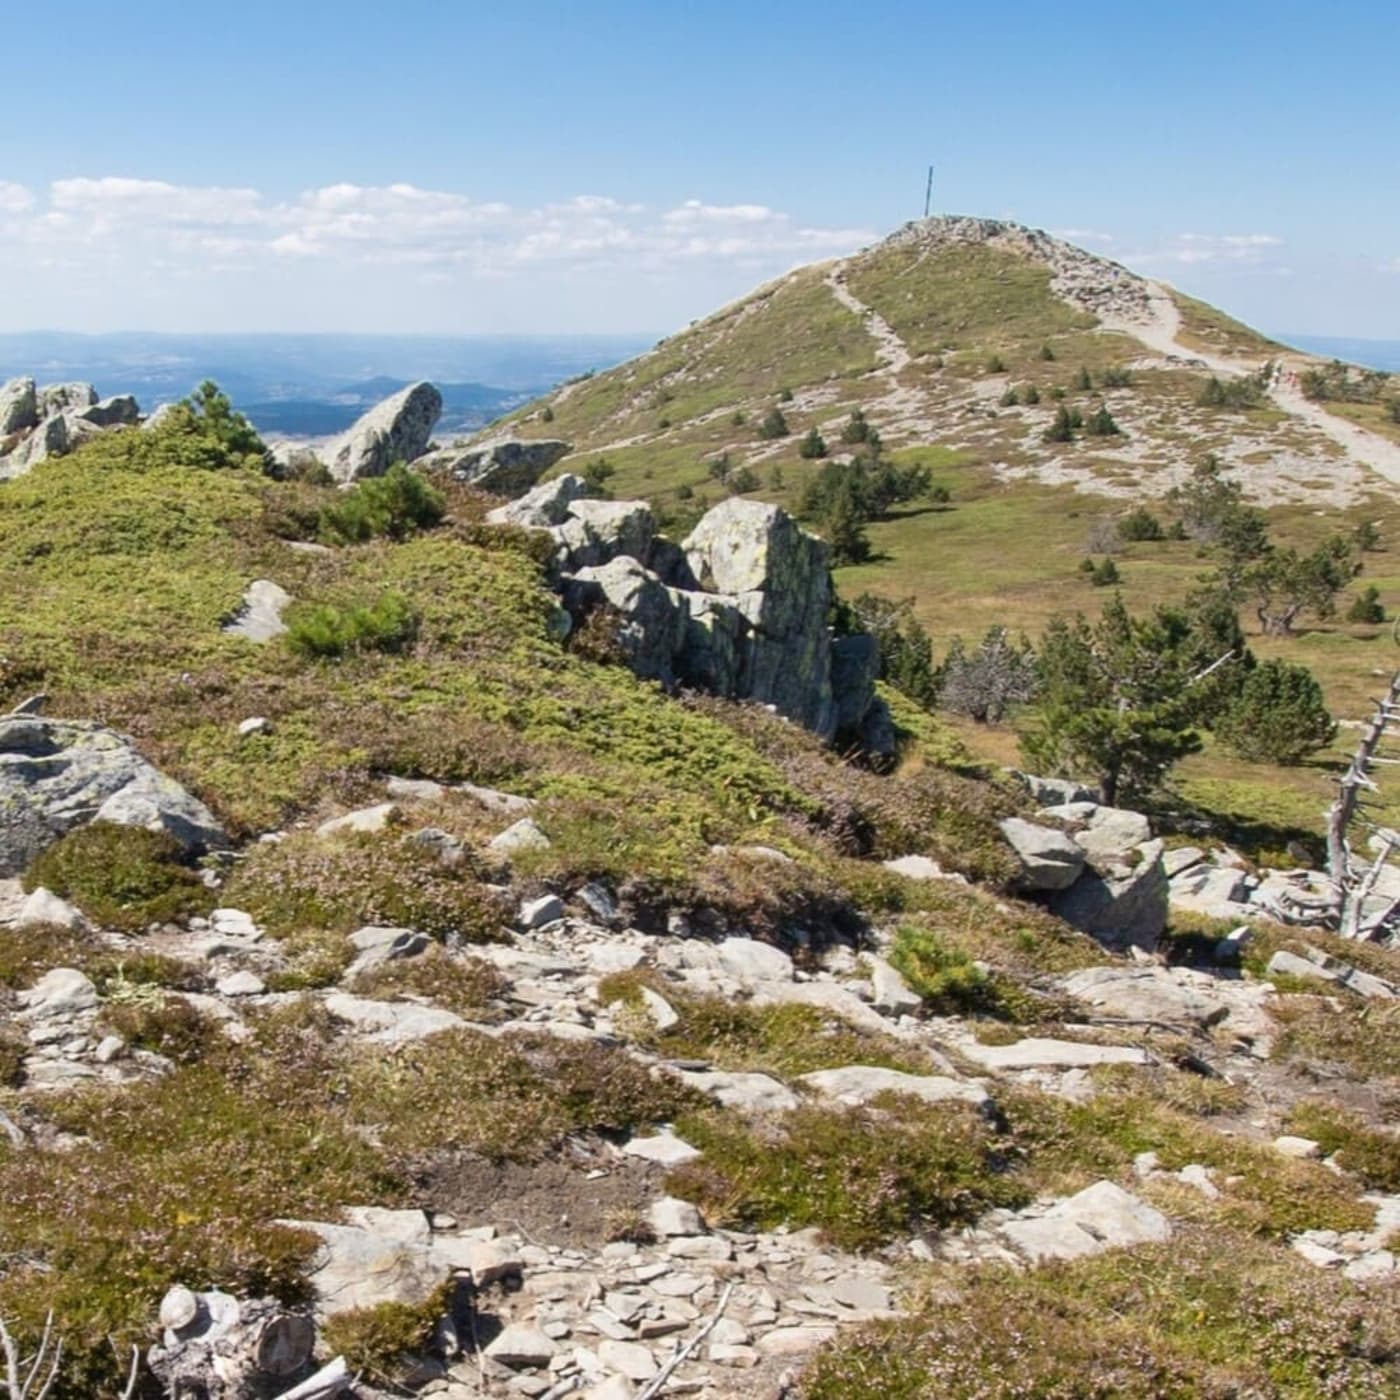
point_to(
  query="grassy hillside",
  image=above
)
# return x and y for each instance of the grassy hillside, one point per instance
(958, 329)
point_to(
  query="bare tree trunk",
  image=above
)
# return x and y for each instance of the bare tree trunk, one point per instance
(1351, 890)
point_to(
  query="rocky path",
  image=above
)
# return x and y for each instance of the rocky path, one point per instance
(895, 351)
(1160, 329)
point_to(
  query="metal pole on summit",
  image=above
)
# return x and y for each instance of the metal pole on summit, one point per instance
(928, 192)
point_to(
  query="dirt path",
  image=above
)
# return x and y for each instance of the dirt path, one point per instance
(895, 351)
(1160, 333)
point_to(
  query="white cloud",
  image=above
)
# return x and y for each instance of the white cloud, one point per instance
(1188, 249)
(14, 199)
(112, 219)
(1089, 236)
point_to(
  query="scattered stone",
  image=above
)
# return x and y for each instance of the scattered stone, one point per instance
(1039, 1053)
(259, 617)
(241, 984)
(794, 1341)
(379, 945)
(525, 835)
(507, 803)
(42, 906)
(749, 1093)
(415, 790)
(858, 1084)
(536, 913)
(1048, 792)
(862, 1294)
(750, 961)
(519, 1346)
(916, 868)
(254, 724)
(1148, 994)
(63, 991)
(543, 505)
(629, 1359)
(1297, 1146)
(892, 993)
(665, 1149)
(366, 820)
(1100, 1217)
(390, 1022)
(670, 1216)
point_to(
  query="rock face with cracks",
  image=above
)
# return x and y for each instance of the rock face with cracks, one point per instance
(396, 430)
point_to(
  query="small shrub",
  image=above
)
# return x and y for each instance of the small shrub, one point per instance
(395, 505)
(1116, 377)
(812, 446)
(165, 1025)
(856, 429)
(995, 365)
(330, 630)
(1140, 525)
(13, 1048)
(1009, 398)
(546, 414)
(1047, 352)
(944, 975)
(738, 418)
(1105, 575)
(1030, 395)
(375, 1341)
(463, 985)
(1062, 428)
(1279, 715)
(742, 481)
(774, 425)
(1366, 1152)
(122, 877)
(1083, 381)
(598, 473)
(1101, 424)
(784, 395)
(1366, 608)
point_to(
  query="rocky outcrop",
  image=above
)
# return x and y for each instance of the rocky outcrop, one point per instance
(738, 609)
(259, 616)
(1121, 903)
(19, 409)
(549, 503)
(59, 774)
(757, 559)
(507, 466)
(396, 430)
(36, 424)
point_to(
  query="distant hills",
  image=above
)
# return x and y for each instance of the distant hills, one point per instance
(314, 385)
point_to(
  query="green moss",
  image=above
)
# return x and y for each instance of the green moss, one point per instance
(121, 876)
(863, 1175)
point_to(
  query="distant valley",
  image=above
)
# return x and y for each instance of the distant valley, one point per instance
(308, 386)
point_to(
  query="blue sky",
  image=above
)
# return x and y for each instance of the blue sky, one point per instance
(459, 167)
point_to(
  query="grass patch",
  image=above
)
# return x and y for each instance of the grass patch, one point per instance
(1208, 1315)
(862, 1175)
(460, 984)
(1366, 1152)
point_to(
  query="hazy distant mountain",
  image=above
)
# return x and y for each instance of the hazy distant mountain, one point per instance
(312, 385)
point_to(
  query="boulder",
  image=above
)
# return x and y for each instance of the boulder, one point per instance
(1122, 905)
(121, 410)
(776, 575)
(59, 774)
(1050, 859)
(18, 406)
(1148, 994)
(42, 906)
(750, 1093)
(543, 505)
(59, 398)
(54, 437)
(506, 466)
(397, 430)
(1102, 1216)
(716, 635)
(652, 625)
(1105, 833)
(390, 1022)
(595, 532)
(855, 667)
(1220, 892)
(1048, 792)
(1037, 1052)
